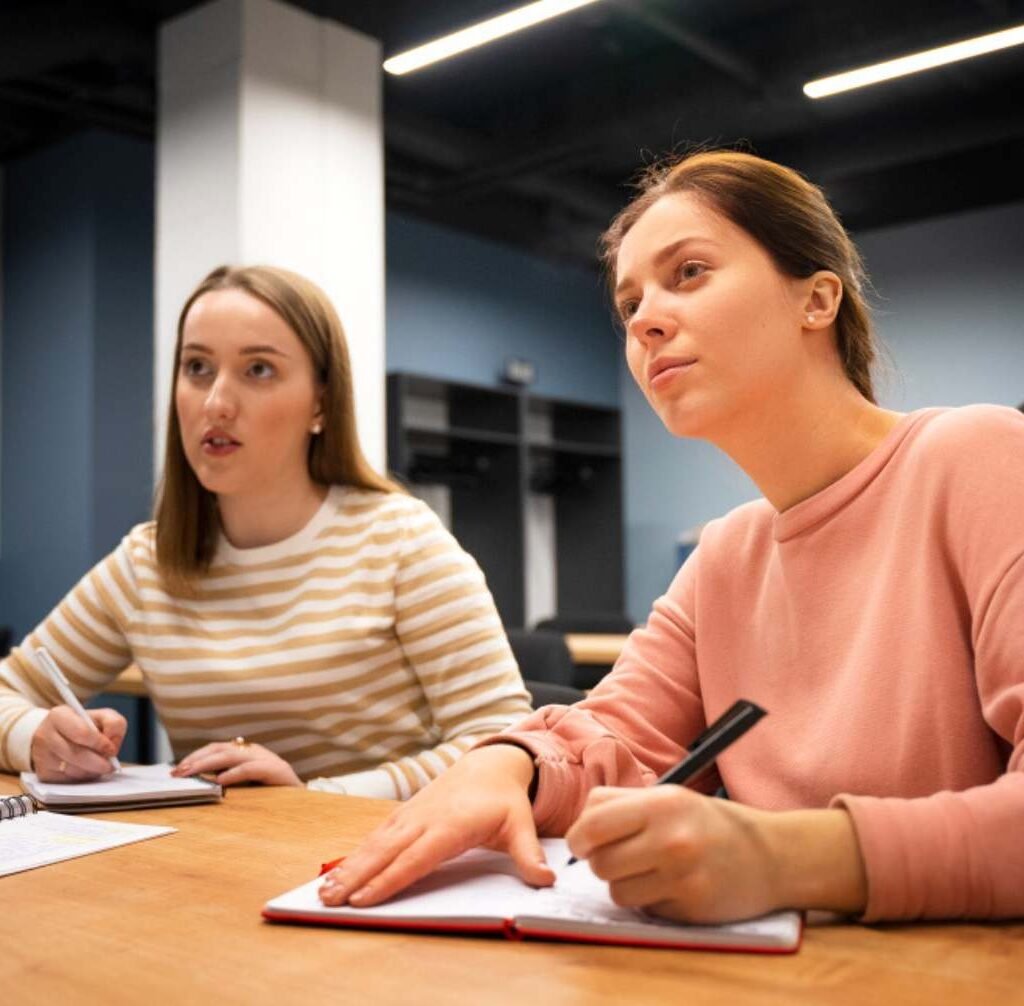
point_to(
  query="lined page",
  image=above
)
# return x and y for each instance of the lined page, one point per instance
(44, 838)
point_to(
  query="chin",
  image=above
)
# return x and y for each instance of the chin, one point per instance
(680, 421)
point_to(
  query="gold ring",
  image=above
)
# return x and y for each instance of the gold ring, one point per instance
(240, 742)
(62, 767)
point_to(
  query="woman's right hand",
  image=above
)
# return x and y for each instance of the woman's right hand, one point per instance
(64, 749)
(481, 800)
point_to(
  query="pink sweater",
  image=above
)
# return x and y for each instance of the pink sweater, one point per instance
(881, 624)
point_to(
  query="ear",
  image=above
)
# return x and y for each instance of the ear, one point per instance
(821, 300)
(317, 420)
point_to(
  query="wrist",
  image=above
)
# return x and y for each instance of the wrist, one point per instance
(817, 861)
(512, 760)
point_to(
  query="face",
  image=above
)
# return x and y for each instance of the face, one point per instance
(246, 395)
(712, 326)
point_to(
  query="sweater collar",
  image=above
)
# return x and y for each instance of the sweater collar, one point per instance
(830, 500)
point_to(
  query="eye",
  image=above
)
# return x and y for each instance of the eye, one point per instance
(690, 270)
(261, 370)
(195, 366)
(626, 309)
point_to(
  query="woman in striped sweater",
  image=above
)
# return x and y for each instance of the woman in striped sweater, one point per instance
(295, 615)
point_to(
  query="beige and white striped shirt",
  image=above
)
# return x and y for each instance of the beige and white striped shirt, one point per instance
(365, 650)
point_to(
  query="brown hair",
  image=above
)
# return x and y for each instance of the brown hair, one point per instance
(787, 215)
(187, 523)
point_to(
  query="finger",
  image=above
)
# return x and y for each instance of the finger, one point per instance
(112, 725)
(525, 849)
(414, 862)
(603, 794)
(218, 760)
(640, 891)
(183, 767)
(247, 771)
(76, 731)
(368, 860)
(70, 762)
(628, 858)
(610, 821)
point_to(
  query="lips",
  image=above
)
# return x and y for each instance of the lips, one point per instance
(666, 367)
(219, 440)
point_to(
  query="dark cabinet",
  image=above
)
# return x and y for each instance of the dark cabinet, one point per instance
(492, 448)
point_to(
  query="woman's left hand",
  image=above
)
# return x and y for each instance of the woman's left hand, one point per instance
(236, 762)
(679, 854)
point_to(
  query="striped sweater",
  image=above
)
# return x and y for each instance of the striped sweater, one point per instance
(365, 650)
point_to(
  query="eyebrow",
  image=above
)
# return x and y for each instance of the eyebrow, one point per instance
(664, 254)
(198, 347)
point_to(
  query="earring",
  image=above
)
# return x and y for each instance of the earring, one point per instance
(316, 428)
(810, 317)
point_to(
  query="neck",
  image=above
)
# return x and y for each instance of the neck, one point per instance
(271, 514)
(798, 446)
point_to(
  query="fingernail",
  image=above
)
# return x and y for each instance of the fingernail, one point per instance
(361, 895)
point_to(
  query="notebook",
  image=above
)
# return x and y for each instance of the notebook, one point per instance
(30, 838)
(480, 892)
(135, 787)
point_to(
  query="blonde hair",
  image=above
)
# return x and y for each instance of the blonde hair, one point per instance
(788, 216)
(187, 524)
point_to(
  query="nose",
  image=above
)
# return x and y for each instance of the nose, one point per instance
(652, 321)
(220, 402)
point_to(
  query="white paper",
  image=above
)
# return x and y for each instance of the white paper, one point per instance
(44, 838)
(134, 782)
(482, 886)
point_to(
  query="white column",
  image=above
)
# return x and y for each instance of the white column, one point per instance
(270, 150)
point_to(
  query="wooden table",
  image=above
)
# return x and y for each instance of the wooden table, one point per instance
(594, 648)
(177, 920)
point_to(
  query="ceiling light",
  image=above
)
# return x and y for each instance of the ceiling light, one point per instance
(480, 34)
(914, 63)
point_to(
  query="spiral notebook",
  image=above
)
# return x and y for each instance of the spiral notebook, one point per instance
(30, 838)
(480, 892)
(135, 787)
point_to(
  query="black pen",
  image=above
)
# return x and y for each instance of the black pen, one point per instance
(707, 746)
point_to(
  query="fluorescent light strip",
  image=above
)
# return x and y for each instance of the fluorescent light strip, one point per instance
(480, 34)
(914, 63)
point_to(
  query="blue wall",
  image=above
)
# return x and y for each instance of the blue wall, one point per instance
(949, 306)
(457, 306)
(77, 357)
(77, 364)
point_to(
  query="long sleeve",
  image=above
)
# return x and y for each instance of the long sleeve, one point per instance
(960, 854)
(450, 634)
(85, 634)
(631, 727)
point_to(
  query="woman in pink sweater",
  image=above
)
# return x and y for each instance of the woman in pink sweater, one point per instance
(872, 602)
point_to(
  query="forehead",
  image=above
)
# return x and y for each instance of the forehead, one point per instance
(674, 217)
(222, 317)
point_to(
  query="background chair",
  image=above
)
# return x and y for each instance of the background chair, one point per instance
(601, 622)
(546, 665)
(542, 656)
(544, 693)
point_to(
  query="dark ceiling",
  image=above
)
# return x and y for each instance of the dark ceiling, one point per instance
(532, 139)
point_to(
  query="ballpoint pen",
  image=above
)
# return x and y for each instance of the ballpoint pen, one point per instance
(707, 746)
(56, 676)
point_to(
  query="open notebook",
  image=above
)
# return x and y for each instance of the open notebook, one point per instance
(480, 892)
(29, 839)
(136, 786)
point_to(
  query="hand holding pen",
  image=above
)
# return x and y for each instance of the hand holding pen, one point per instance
(707, 746)
(72, 745)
